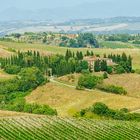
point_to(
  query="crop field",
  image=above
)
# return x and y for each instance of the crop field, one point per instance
(67, 100)
(56, 128)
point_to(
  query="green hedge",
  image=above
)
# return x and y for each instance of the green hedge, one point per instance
(112, 89)
(103, 110)
(12, 69)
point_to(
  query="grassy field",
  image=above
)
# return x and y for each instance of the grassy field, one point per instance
(115, 44)
(4, 52)
(5, 76)
(4, 113)
(56, 128)
(45, 50)
(68, 100)
(130, 82)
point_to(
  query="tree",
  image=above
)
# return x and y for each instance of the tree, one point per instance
(100, 108)
(68, 55)
(124, 57)
(30, 78)
(97, 67)
(109, 70)
(103, 64)
(129, 63)
(79, 55)
(87, 53)
(119, 69)
(84, 65)
(44, 40)
(92, 54)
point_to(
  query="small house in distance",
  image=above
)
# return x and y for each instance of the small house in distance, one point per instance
(91, 60)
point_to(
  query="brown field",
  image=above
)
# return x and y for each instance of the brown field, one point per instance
(131, 83)
(72, 79)
(68, 100)
(12, 113)
(4, 53)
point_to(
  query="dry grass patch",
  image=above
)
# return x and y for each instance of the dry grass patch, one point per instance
(69, 100)
(5, 76)
(12, 113)
(130, 82)
(72, 79)
(4, 53)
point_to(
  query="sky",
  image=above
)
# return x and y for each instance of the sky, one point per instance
(68, 8)
(38, 4)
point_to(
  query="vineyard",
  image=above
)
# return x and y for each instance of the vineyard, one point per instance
(54, 128)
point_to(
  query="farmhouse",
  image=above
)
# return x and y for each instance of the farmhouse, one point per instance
(91, 60)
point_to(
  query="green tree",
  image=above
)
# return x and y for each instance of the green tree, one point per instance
(88, 81)
(97, 67)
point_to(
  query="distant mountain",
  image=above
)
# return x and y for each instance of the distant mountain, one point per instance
(112, 20)
(100, 9)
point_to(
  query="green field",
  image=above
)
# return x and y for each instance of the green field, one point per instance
(115, 44)
(56, 128)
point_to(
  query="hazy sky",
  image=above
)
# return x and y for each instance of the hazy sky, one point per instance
(37, 4)
(69, 8)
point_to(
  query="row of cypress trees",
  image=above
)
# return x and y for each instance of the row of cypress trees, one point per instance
(122, 60)
(59, 64)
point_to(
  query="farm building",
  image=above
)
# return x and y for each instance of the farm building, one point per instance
(91, 60)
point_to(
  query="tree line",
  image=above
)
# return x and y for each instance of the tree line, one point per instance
(58, 64)
(124, 62)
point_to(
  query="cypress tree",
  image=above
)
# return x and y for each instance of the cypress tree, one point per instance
(103, 64)
(124, 57)
(97, 67)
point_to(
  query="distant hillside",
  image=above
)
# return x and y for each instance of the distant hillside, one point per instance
(94, 25)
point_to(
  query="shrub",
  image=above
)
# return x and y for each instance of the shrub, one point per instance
(78, 69)
(45, 110)
(103, 111)
(21, 106)
(89, 81)
(82, 112)
(119, 116)
(124, 110)
(105, 75)
(99, 108)
(113, 89)
(109, 70)
(12, 69)
(8, 86)
(137, 71)
(119, 69)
